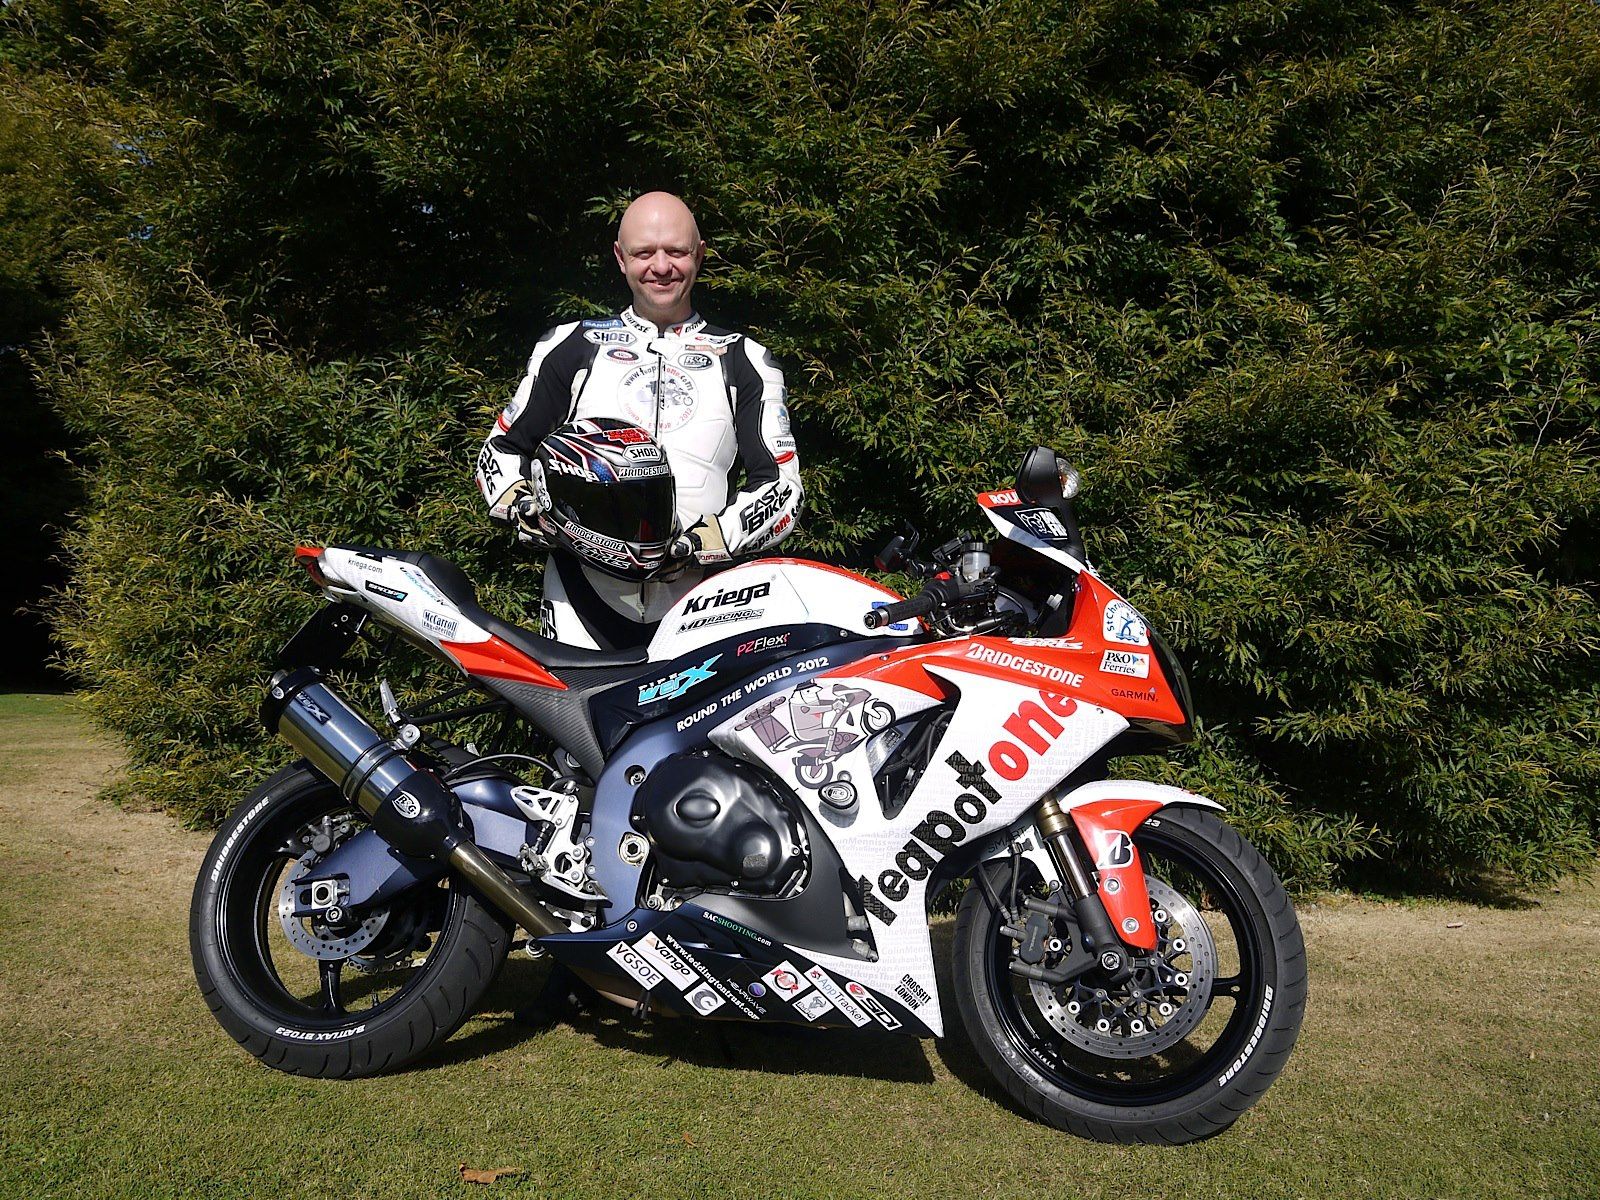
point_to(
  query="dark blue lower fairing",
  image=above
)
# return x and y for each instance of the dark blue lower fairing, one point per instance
(681, 730)
(725, 971)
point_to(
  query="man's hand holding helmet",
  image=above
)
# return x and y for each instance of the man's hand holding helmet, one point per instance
(702, 542)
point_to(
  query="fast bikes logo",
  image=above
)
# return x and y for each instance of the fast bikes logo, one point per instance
(1029, 733)
(761, 510)
(676, 685)
(732, 598)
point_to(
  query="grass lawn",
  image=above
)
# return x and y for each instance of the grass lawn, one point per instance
(1448, 1050)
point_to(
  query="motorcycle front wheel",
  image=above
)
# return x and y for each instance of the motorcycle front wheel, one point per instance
(303, 995)
(1195, 1037)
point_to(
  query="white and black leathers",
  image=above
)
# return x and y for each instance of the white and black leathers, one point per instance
(713, 399)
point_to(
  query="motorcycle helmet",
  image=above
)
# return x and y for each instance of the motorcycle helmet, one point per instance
(612, 500)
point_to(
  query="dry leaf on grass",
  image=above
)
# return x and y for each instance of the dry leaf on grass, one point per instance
(474, 1175)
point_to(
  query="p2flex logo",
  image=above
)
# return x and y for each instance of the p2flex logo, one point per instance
(1031, 731)
(676, 685)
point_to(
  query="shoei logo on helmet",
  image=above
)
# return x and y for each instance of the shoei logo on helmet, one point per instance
(628, 436)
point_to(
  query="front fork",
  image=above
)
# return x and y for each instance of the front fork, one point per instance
(1115, 910)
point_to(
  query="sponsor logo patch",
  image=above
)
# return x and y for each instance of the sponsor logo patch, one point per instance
(785, 980)
(830, 989)
(813, 1006)
(704, 1000)
(1125, 662)
(666, 960)
(764, 508)
(911, 992)
(620, 355)
(749, 1008)
(1123, 624)
(442, 627)
(677, 684)
(635, 964)
(1034, 726)
(731, 598)
(1041, 522)
(629, 436)
(756, 646)
(407, 805)
(612, 337)
(725, 618)
(1116, 850)
(1024, 666)
(388, 593)
(864, 997)
(695, 361)
(314, 710)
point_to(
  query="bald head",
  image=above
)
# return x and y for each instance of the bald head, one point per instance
(659, 250)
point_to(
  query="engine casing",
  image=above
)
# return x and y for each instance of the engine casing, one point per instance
(715, 822)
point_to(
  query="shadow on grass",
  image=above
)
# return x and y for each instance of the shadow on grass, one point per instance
(743, 1046)
(1491, 890)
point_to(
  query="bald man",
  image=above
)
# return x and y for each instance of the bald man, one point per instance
(713, 399)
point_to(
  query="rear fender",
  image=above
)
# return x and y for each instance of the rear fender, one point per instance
(1106, 813)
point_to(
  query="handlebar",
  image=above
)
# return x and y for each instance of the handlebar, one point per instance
(918, 606)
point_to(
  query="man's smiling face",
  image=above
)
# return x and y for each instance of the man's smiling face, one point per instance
(659, 250)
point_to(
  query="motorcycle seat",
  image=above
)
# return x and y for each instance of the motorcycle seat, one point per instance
(452, 581)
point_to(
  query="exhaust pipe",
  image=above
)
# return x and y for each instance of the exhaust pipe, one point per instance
(408, 806)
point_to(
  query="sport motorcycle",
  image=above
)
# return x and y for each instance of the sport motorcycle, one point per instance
(749, 818)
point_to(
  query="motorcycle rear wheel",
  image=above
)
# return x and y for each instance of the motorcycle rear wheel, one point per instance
(334, 1003)
(1129, 1078)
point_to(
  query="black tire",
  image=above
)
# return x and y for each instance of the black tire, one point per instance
(1194, 1087)
(443, 949)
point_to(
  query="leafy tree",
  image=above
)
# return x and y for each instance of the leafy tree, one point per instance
(1307, 289)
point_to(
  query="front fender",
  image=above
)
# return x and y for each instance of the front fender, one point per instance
(1106, 813)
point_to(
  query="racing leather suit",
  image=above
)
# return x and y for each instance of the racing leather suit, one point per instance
(714, 400)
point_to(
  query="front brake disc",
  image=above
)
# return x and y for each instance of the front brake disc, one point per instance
(1167, 996)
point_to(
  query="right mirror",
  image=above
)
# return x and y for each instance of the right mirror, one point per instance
(1045, 477)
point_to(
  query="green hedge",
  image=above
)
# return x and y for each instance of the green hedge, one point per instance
(1308, 290)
